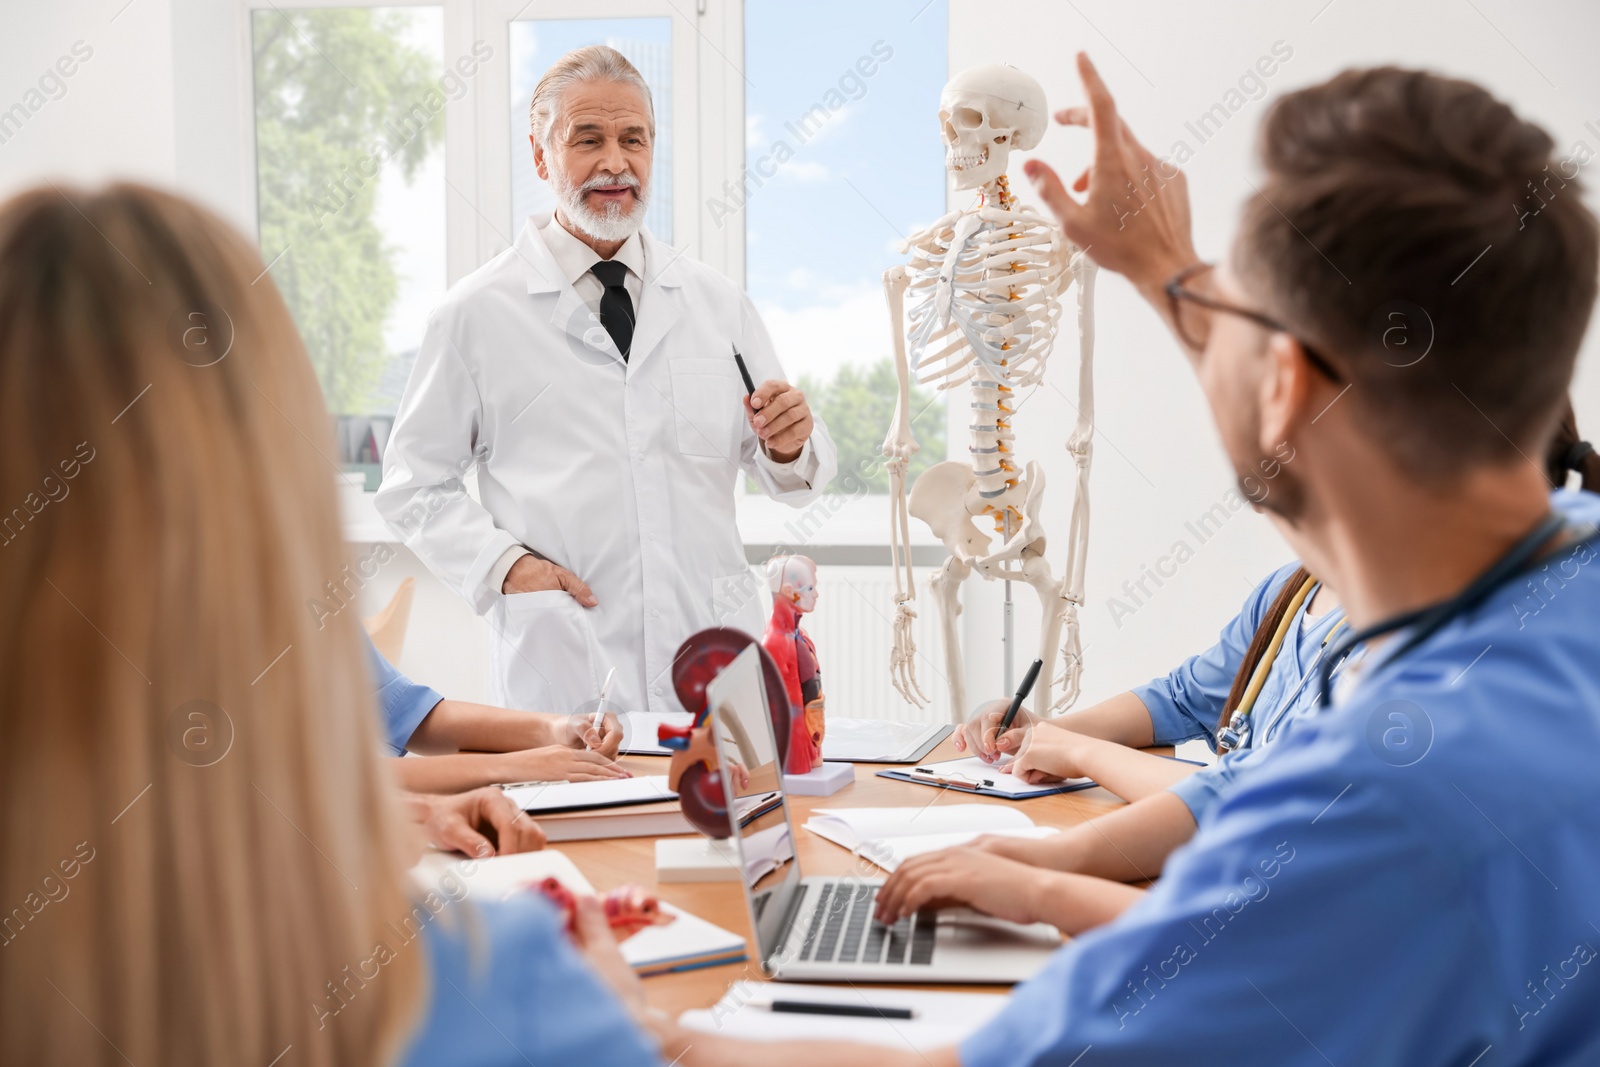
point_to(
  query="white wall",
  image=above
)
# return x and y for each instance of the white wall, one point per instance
(1157, 461)
(112, 117)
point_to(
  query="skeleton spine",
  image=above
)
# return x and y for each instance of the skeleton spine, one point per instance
(993, 460)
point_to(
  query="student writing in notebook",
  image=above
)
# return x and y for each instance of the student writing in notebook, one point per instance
(200, 845)
(1280, 635)
(450, 793)
(469, 745)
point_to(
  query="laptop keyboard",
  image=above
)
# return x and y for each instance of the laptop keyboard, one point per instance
(842, 930)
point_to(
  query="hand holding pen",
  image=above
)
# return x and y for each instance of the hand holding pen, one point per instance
(777, 412)
(597, 724)
(997, 730)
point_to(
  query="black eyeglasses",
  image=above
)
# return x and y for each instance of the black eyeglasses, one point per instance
(1194, 327)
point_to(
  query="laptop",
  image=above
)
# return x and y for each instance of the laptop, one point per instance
(821, 927)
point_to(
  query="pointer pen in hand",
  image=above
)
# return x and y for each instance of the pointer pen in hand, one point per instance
(744, 372)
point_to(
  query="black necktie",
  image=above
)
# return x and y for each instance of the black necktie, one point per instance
(616, 307)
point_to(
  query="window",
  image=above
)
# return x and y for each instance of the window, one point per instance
(535, 44)
(842, 161)
(349, 134)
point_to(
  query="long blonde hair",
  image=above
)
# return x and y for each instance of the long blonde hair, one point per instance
(198, 834)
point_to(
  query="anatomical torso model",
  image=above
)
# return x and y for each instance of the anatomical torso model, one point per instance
(978, 302)
(793, 580)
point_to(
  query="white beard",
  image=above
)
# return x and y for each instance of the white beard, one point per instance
(612, 224)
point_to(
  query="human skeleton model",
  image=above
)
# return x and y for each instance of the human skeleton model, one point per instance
(979, 301)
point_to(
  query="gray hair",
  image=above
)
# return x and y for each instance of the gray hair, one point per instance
(595, 62)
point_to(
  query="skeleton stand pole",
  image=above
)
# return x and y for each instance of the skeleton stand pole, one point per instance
(1008, 635)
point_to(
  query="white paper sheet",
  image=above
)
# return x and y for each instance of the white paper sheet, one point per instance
(875, 739)
(577, 795)
(942, 1018)
(851, 827)
(891, 852)
(889, 836)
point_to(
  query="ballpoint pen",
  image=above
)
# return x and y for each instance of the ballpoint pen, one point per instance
(959, 781)
(813, 1007)
(1022, 694)
(605, 693)
(744, 372)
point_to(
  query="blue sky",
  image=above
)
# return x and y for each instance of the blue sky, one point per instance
(828, 220)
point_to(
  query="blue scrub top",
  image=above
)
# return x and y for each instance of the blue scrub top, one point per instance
(1411, 878)
(1187, 703)
(403, 703)
(506, 989)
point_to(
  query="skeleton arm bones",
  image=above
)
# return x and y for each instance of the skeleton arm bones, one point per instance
(898, 448)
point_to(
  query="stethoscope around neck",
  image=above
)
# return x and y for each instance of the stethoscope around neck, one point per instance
(1427, 621)
(1232, 737)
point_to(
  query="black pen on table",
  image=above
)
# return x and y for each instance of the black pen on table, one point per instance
(812, 1007)
(1022, 694)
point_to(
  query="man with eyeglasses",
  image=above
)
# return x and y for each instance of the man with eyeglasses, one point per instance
(1412, 878)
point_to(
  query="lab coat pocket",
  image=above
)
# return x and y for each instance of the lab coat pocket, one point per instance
(544, 657)
(706, 396)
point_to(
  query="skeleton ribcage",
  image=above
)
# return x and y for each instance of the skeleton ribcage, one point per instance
(984, 307)
(984, 300)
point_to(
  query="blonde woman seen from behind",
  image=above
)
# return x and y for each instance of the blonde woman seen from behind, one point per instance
(202, 856)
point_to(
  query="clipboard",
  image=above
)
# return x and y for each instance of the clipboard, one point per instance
(943, 782)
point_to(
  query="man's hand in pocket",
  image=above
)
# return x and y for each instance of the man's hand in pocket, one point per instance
(530, 574)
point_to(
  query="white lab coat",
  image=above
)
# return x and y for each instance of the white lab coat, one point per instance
(624, 473)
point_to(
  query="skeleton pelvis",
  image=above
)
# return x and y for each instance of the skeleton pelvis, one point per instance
(946, 498)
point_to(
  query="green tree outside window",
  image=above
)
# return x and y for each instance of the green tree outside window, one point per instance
(339, 93)
(857, 403)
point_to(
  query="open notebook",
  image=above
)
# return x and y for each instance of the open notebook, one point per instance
(889, 836)
(684, 944)
(549, 797)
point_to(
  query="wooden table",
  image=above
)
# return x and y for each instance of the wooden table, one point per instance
(632, 860)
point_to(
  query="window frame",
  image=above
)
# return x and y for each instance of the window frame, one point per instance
(708, 117)
(709, 149)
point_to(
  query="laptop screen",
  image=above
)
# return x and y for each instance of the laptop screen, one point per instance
(753, 779)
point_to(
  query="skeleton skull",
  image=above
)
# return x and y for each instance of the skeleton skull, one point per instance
(984, 113)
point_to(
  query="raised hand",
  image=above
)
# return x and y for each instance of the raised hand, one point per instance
(1134, 218)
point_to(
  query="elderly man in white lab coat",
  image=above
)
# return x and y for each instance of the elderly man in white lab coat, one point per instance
(589, 373)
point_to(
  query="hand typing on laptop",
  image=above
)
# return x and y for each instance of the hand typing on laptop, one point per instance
(974, 877)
